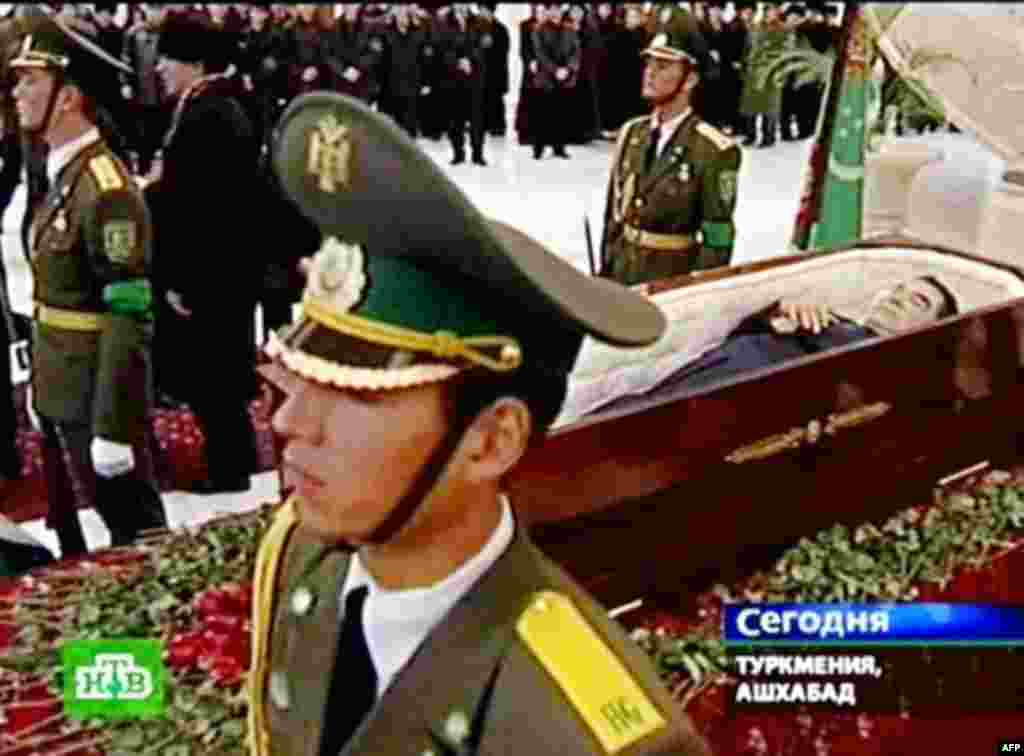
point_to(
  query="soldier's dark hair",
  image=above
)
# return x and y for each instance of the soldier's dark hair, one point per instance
(949, 305)
(472, 391)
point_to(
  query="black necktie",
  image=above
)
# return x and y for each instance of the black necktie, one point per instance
(652, 148)
(354, 685)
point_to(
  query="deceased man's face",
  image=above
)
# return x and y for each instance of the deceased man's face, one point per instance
(909, 305)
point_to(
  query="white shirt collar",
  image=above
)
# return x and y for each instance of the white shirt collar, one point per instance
(668, 128)
(397, 622)
(59, 158)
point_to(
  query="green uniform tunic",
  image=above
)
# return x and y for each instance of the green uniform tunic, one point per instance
(483, 682)
(690, 191)
(90, 256)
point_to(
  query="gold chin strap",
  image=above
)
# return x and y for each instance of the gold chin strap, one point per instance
(442, 344)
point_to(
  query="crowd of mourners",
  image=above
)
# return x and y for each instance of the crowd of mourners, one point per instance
(444, 71)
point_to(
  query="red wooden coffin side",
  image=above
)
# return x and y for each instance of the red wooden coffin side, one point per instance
(659, 493)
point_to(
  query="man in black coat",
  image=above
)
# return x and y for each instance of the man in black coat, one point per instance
(404, 70)
(558, 54)
(142, 91)
(465, 47)
(356, 49)
(265, 71)
(309, 50)
(206, 208)
(497, 73)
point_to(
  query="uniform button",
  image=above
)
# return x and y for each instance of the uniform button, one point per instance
(302, 601)
(280, 695)
(456, 727)
(638, 202)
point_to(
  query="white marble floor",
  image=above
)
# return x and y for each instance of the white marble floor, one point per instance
(548, 199)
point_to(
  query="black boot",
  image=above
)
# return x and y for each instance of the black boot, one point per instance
(460, 157)
(560, 152)
(538, 152)
(478, 159)
(750, 131)
(71, 538)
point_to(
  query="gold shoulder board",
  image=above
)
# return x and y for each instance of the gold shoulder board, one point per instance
(593, 678)
(267, 564)
(720, 140)
(105, 173)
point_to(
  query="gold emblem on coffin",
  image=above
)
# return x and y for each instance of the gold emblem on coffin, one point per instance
(330, 155)
(809, 434)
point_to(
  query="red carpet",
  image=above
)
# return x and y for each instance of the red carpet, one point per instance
(180, 462)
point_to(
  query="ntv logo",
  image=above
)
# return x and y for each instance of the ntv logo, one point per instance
(117, 679)
(113, 677)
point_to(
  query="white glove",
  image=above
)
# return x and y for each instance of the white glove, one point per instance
(31, 409)
(351, 74)
(110, 458)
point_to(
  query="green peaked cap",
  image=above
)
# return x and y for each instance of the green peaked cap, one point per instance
(412, 282)
(66, 45)
(678, 37)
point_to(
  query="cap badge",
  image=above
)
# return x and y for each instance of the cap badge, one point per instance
(337, 277)
(330, 154)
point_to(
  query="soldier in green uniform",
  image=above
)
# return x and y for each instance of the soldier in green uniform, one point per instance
(672, 190)
(89, 244)
(432, 347)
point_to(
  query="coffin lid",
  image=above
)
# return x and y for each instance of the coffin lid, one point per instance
(983, 91)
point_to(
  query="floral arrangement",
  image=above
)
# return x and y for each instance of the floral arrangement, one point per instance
(191, 589)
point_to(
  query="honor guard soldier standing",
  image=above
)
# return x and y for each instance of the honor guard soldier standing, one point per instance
(399, 607)
(90, 247)
(672, 189)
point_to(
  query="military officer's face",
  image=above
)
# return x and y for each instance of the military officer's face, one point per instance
(31, 96)
(663, 79)
(351, 455)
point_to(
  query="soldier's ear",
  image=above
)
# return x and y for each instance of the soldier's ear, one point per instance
(69, 97)
(496, 440)
(692, 79)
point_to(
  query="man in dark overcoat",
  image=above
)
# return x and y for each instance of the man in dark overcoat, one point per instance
(208, 212)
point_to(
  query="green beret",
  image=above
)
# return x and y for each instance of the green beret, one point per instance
(412, 284)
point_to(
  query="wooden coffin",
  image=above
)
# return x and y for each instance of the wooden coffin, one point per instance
(671, 489)
(665, 489)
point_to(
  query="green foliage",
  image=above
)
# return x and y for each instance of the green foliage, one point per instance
(150, 598)
(867, 563)
(805, 64)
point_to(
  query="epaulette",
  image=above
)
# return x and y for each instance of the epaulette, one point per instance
(107, 176)
(593, 678)
(720, 140)
(624, 134)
